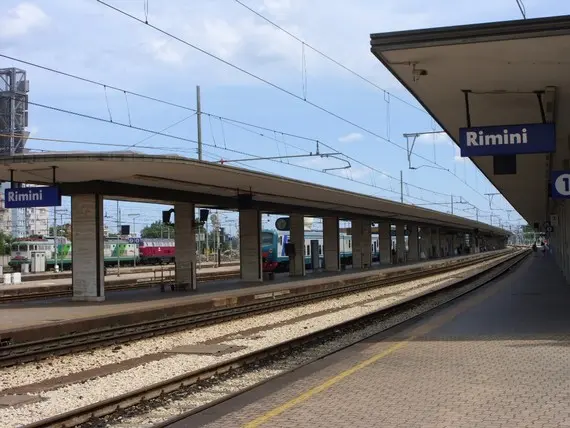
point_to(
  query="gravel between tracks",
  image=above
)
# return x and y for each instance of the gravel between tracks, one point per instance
(81, 394)
(148, 414)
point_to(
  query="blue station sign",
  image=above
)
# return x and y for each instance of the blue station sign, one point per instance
(507, 139)
(560, 184)
(29, 197)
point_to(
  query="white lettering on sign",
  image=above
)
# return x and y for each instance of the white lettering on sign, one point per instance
(30, 195)
(477, 139)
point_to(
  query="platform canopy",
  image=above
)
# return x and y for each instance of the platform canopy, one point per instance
(503, 65)
(168, 179)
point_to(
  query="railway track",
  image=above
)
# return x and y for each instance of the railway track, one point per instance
(59, 291)
(106, 407)
(17, 353)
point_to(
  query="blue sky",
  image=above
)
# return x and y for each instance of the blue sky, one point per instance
(85, 38)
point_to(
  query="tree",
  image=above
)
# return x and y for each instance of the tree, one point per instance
(158, 230)
(62, 230)
(5, 243)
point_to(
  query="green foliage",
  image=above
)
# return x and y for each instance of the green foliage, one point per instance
(62, 230)
(5, 243)
(161, 230)
(158, 230)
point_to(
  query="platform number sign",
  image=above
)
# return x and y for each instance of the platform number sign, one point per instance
(560, 184)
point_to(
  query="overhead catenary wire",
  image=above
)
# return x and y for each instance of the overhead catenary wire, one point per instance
(221, 118)
(231, 121)
(522, 8)
(162, 130)
(279, 88)
(95, 82)
(178, 149)
(154, 132)
(331, 59)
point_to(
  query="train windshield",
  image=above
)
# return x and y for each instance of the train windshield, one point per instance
(267, 238)
(19, 247)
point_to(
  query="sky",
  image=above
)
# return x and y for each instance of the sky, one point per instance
(360, 118)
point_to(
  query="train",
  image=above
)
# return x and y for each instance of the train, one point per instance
(273, 249)
(152, 251)
(126, 252)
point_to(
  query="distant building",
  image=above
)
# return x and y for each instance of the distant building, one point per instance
(14, 89)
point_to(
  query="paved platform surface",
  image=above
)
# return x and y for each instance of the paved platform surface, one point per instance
(497, 357)
(217, 293)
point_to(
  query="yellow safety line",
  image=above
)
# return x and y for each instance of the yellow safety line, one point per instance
(420, 330)
(324, 386)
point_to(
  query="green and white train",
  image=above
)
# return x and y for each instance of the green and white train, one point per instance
(114, 252)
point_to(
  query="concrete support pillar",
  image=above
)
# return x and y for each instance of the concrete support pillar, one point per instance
(250, 245)
(427, 237)
(331, 244)
(361, 244)
(367, 247)
(385, 243)
(297, 238)
(436, 242)
(413, 250)
(565, 226)
(444, 244)
(357, 244)
(88, 276)
(422, 243)
(185, 239)
(400, 243)
(565, 245)
(474, 243)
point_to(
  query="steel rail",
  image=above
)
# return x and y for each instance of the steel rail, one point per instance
(106, 407)
(11, 354)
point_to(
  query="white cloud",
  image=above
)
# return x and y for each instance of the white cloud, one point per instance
(351, 137)
(457, 157)
(93, 40)
(359, 173)
(163, 50)
(21, 19)
(316, 162)
(441, 138)
(33, 130)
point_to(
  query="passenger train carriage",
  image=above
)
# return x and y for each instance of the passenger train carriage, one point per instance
(21, 252)
(156, 250)
(273, 248)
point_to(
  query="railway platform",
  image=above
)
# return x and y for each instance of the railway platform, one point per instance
(112, 271)
(496, 357)
(164, 273)
(35, 320)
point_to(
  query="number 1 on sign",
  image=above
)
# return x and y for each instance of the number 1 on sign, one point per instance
(561, 184)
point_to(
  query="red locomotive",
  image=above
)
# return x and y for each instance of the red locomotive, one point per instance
(154, 251)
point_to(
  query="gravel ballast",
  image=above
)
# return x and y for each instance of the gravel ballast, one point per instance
(277, 326)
